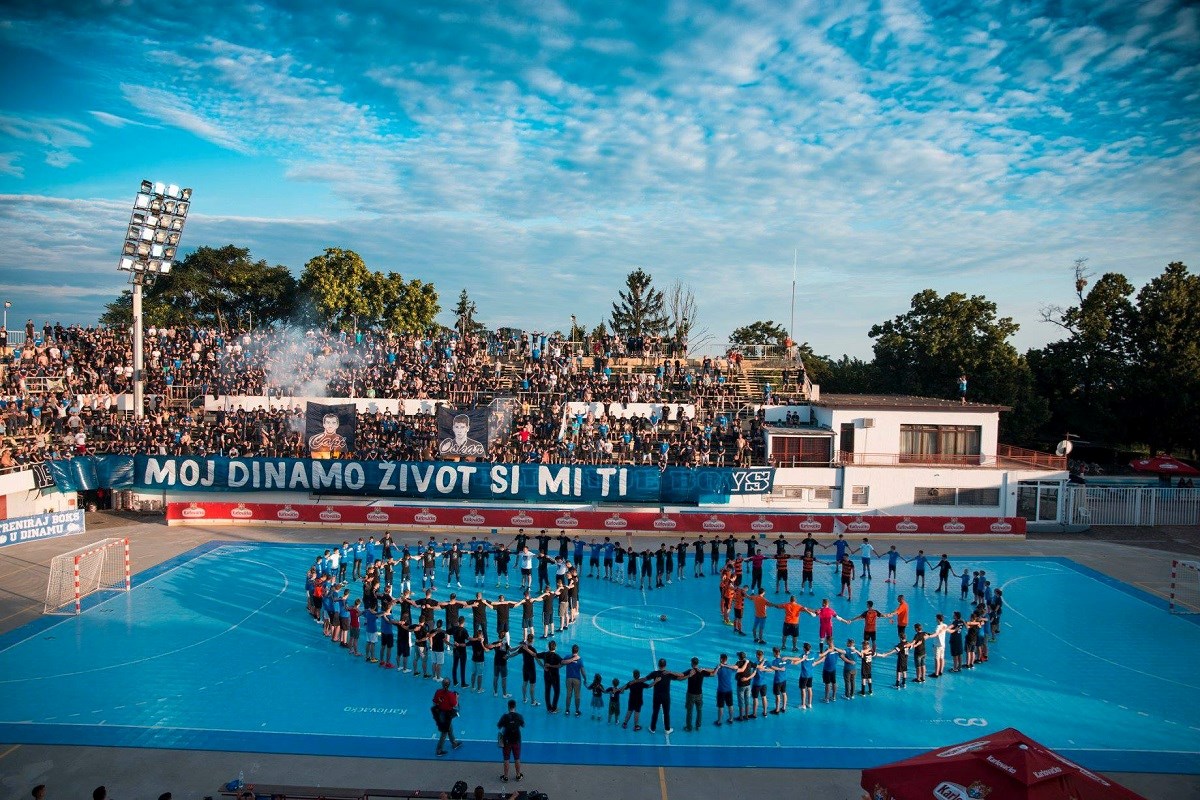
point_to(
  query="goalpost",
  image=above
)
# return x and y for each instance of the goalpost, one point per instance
(92, 568)
(1185, 587)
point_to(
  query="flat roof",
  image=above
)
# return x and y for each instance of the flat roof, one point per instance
(902, 402)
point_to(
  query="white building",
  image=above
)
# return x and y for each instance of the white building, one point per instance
(888, 454)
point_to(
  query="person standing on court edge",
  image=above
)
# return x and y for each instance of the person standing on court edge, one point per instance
(445, 709)
(510, 725)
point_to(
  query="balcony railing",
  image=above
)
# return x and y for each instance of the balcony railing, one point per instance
(914, 459)
(1031, 457)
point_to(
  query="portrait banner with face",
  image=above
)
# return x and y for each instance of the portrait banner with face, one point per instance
(463, 433)
(329, 430)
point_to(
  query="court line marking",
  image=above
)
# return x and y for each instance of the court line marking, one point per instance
(1009, 606)
(9, 750)
(234, 626)
(662, 782)
(137, 585)
(492, 739)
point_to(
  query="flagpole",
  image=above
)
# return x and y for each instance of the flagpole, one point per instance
(792, 326)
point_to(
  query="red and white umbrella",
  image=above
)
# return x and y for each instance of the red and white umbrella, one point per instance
(1164, 465)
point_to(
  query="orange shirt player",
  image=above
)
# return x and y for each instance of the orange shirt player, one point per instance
(328, 443)
(791, 620)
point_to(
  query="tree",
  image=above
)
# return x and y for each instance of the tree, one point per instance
(640, 310)
(344, 294)
(847, 375)
(923, 351)
(1166, 346)
(762, 333)
(1085, 377)
(683, 316)
(220, 287)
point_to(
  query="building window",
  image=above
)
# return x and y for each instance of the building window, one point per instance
(986, 496)
(860, 495)
(933, 496)
(940, 444)
(945, 496)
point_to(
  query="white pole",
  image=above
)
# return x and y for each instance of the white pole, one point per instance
(138, 410)
(792, 326)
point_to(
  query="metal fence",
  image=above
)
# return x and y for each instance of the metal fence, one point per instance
(1139, 505)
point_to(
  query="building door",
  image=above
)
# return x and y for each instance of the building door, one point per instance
(846, 440)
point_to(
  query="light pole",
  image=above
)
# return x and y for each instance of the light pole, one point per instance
(151, 242)
(7, 306)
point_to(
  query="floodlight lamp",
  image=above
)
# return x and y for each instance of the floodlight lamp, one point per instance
(126, 264)
(147, 187)
(168, 207)
(185, 194)
(172, 239)
(181, 208)
(154, 266)
(134, 233)
(156, 250)
(129, 249)
(160, 188)
(156, 205)
(172, 191)
(144, 249)
(147, 234)
(169, 253)
(160, 237)
(141, 201)
(152, 221)
(177, 224)
(165, 268)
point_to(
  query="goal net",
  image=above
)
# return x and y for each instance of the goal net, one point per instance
(1185, 587)
(92, 568)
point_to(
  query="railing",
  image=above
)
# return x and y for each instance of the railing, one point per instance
(914, 459)
(1031, 457)
(1132, 506)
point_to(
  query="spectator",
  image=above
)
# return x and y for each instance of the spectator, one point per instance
(445, 709)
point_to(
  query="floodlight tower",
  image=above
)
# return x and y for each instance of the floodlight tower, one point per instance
(159, 212)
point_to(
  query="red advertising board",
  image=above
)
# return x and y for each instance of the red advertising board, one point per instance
(435, 517)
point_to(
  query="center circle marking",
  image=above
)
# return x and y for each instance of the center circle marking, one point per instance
(642, 623)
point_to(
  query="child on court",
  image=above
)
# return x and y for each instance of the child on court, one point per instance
(614, 702)
(597, 689)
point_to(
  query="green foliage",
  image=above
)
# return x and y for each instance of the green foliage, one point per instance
(641, 309)
(762, 332)
(1166, 357)
(220, 287)
(464, 316)
(846, 375)
(923, 351)
(342, 293)
(1085, 377)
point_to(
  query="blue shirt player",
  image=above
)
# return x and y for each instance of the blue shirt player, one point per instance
(921, 561)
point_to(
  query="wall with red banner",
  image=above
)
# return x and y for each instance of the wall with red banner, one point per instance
(586, 520)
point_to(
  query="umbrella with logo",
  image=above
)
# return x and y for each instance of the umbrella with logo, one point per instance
(1164, 465)
(1006, 765)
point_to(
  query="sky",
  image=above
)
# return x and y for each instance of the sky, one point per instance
(537, 152)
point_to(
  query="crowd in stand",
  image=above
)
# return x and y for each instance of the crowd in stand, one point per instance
(60, 389)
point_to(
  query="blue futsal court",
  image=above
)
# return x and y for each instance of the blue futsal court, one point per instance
(214, 651)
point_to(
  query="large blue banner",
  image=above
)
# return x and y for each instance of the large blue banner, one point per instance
(40, 526)
(424, 479)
